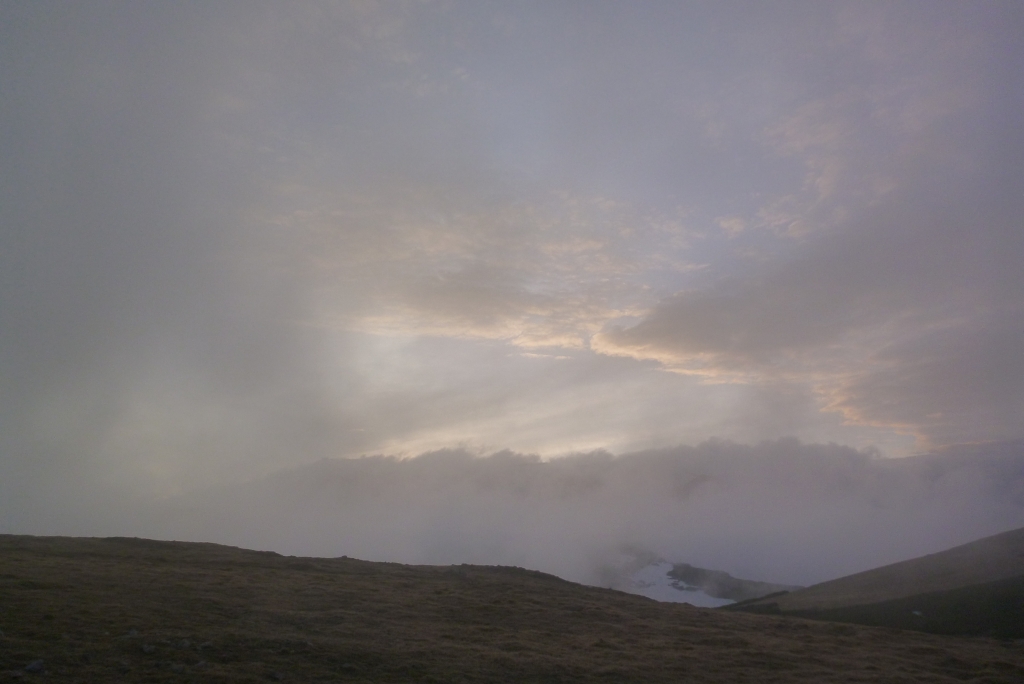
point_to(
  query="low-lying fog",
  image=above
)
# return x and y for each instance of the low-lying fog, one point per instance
(779, 511)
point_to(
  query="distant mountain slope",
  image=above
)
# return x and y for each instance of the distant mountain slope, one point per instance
(684, 583)
(993, 558)
(973, 589)
(130, 610)
(653, 581)
(722, 585)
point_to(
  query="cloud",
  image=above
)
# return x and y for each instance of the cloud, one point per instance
(242, 238)
(952, 385)
(732, 225)
(779, 511)
(907, 317)
(898, 301)
(547, 270)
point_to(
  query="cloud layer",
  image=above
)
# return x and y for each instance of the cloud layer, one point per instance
(243, 238)
(778, 511)
(900, 306)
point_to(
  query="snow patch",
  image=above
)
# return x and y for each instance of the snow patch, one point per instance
(653, 582)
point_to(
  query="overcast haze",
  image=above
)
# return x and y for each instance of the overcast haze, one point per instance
(763, 246)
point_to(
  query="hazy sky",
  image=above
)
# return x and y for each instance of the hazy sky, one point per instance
(238, 238)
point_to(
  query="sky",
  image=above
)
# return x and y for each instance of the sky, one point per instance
(476, 252)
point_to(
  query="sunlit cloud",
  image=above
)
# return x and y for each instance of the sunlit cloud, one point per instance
(244, 238)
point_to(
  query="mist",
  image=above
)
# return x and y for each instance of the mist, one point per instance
(778, 511)
(547, 285)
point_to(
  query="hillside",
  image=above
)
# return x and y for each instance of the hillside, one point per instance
(722, 585)
(975, 588)
(96, 610)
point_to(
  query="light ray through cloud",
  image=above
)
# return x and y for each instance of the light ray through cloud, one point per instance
(240, 239)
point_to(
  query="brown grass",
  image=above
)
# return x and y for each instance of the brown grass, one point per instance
(100, 610)
(998, 557)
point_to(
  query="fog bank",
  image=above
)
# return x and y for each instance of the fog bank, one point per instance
(778, 511)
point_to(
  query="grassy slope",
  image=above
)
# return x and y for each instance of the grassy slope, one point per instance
(990, 609)
(991, 559)
(97, 610)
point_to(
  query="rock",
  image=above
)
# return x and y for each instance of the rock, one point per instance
(148, 648)
(35, 666)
